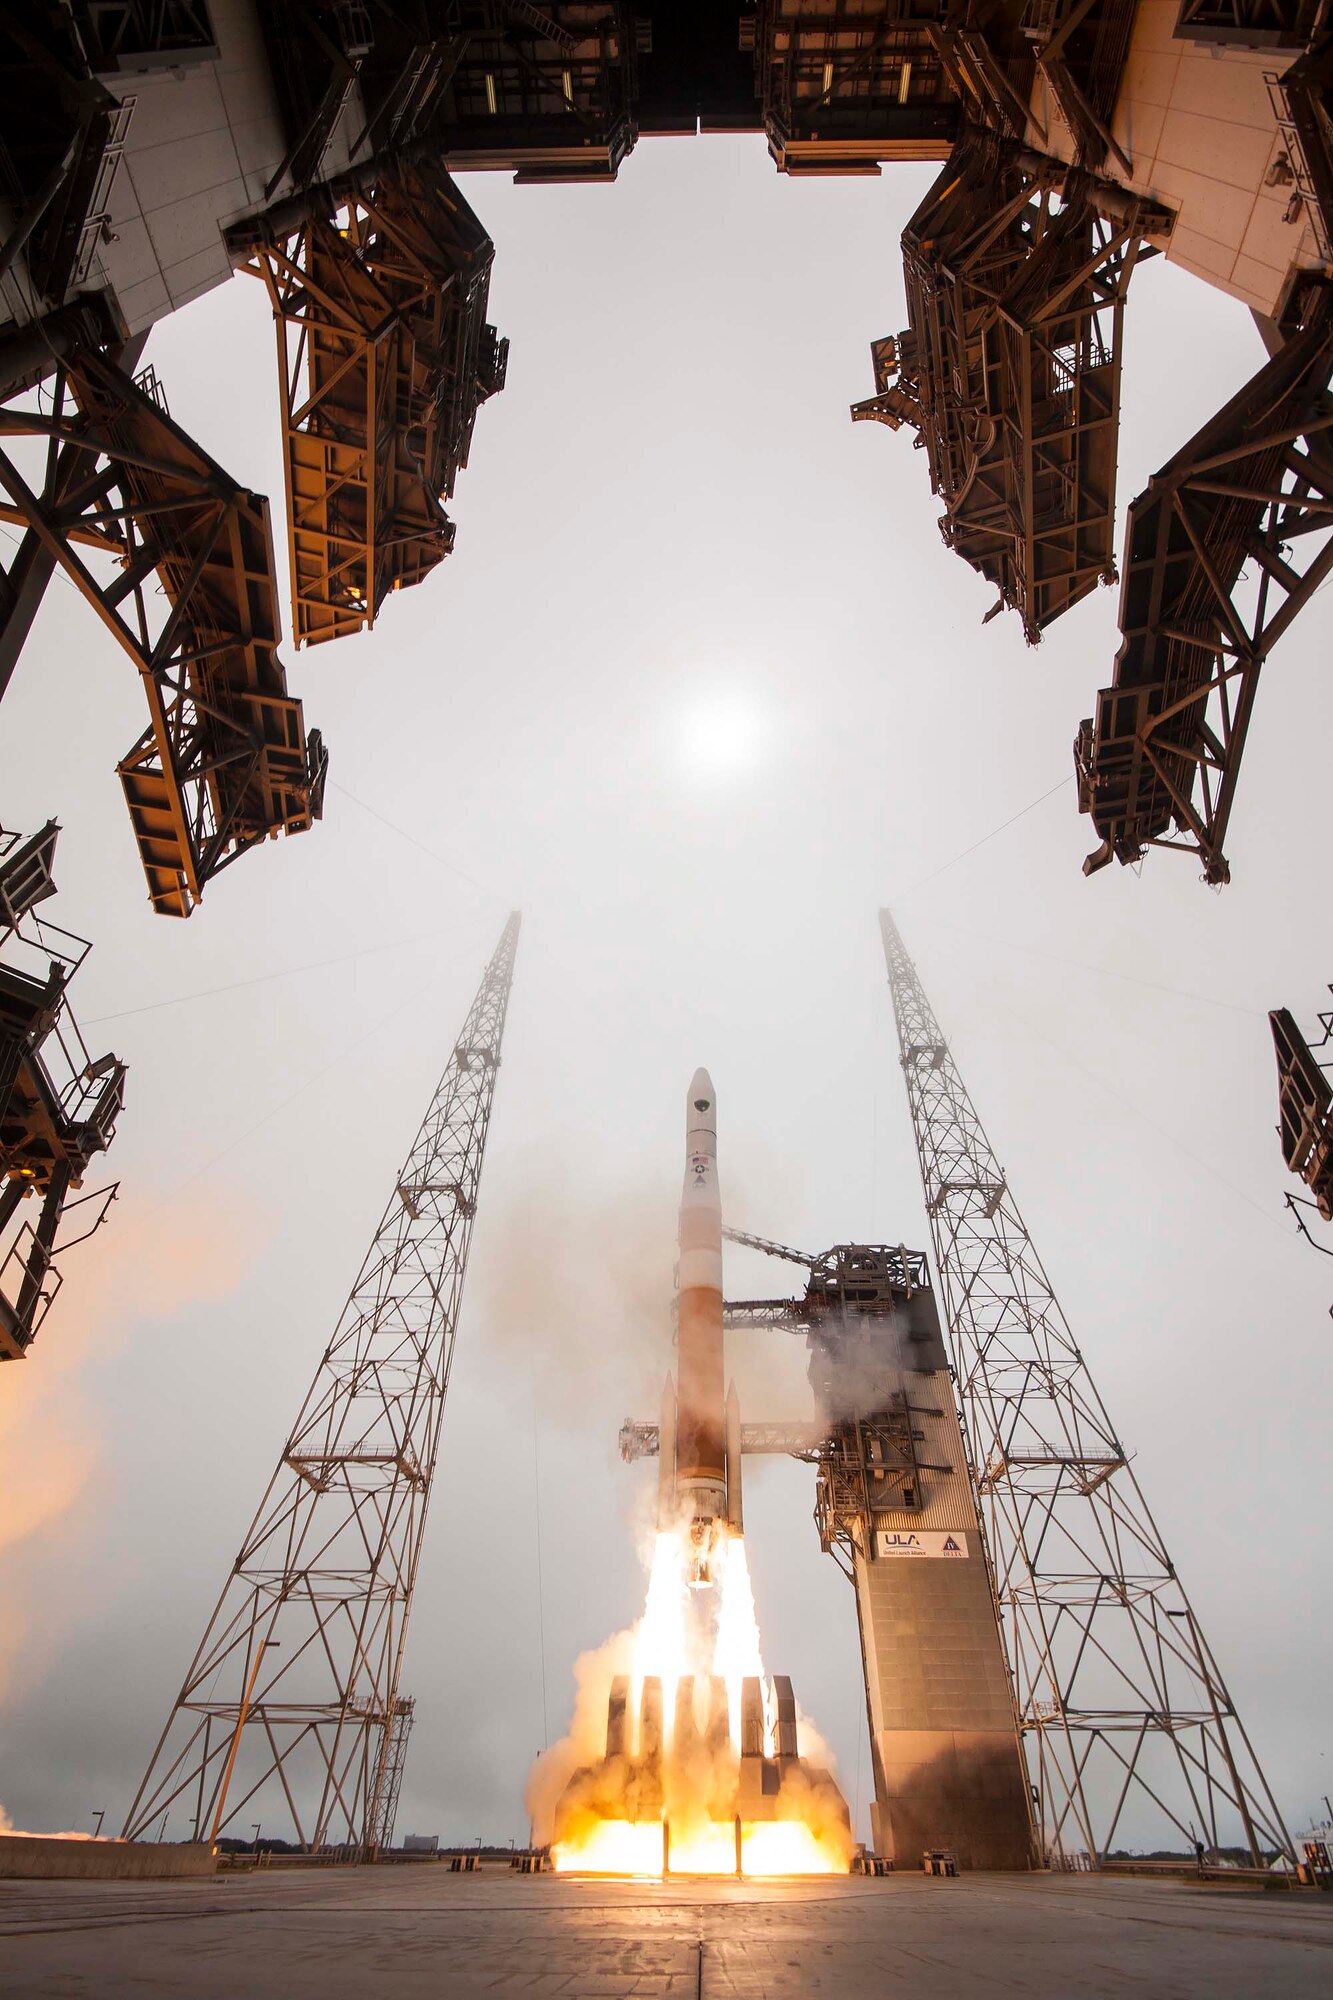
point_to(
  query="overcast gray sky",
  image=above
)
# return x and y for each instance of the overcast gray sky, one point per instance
(699, 690)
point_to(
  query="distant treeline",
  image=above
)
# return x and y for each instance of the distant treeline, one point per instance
(275, 1846)
(1240, 1855)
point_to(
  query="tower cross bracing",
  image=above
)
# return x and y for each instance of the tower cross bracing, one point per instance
(389, 1776)
(292, 1697)
(1123, 1710)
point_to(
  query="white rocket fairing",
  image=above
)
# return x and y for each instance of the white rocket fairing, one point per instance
(700, 1432)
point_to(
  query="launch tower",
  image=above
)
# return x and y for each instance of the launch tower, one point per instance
(292, 1696)
(894, 1506)
(1034, 1672)
(1120, 1702)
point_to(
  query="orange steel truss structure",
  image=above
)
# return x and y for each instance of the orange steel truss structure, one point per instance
(1305, 1116)
(384, 356)
(1009, 373)
(1225, 546)
(225, 761)
(58, 1105)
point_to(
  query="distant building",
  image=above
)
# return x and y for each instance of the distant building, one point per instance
(421, 1843)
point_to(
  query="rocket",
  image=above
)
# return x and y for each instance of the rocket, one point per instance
(699, 1439)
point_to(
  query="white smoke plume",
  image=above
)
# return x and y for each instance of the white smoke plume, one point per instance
(148, 1261)
(585, 1740)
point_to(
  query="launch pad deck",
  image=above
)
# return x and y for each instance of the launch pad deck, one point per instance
(322, 1934)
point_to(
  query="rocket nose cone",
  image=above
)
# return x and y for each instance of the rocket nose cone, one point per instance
(700, 1103)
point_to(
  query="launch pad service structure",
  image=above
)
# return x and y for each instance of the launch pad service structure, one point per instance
(895, 1499)
(1036, 1679)
(894, 1503)
(1037, 1682)
(945, 1753)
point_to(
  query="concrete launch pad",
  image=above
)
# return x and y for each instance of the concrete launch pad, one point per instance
(416, 1931)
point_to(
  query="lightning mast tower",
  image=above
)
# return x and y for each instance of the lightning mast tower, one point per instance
(293, 1693)
(1119, 1699)
(389, 1777)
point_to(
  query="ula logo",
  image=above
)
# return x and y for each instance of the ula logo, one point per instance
(902, 1541)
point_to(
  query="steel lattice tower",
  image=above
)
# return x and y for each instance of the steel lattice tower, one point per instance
(389, 1778)
(1119, 1700)
(293, 1693)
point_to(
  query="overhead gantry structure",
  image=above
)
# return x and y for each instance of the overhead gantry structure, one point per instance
(192, 599)
(1009, 371)
(1305, 1116)
(385, 355)
(1093, 133)
(58, 1104)
(1228, 543)
(114, 119)
(1077, 136)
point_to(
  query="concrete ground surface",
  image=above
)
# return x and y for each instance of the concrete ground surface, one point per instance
(341, 1934)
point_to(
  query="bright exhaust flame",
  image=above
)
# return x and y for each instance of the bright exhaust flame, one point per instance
(679, 1796)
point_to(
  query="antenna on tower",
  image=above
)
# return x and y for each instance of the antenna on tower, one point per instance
(1119, 1701)
(293, 1692)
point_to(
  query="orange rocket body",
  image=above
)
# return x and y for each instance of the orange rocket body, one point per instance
(699, 1437)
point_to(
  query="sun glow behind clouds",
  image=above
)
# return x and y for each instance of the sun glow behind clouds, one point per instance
(722, 733)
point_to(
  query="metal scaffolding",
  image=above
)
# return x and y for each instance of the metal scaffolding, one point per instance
(1120, 1702)
(225, 761)
(1305, 1116)
(58, 1106)
(384, 355)
(1222, 551)
(389, 1776)
(1017, 271)
(547, 90)
(844, 89)
(292, 1692)
(864, 1306)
